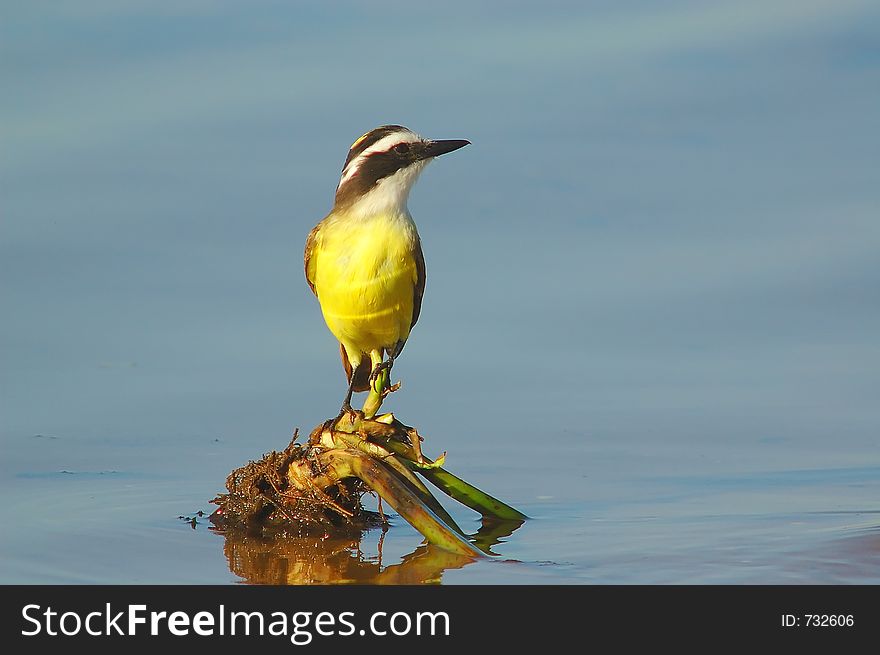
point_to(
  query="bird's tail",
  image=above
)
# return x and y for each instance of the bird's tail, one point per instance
(361, 373)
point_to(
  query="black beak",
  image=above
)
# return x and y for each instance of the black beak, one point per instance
(437, 148)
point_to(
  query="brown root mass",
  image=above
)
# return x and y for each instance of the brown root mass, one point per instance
(315, 489)
(290, 493)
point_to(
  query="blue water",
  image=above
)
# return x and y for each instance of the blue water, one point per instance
(651, 319)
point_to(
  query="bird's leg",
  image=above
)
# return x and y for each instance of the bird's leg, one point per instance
(379, 366)
(346, 404)
(382, 366)
(379, 381)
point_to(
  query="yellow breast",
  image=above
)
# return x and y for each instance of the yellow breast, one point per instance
(364, 276)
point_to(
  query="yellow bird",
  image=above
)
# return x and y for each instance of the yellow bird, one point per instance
(364, 260)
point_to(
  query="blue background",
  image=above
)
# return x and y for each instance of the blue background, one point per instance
(652, 278)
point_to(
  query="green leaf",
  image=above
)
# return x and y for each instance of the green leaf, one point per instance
(381, 479)
(469, 495)
(458, 489)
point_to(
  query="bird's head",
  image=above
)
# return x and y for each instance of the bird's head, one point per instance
(383, 164)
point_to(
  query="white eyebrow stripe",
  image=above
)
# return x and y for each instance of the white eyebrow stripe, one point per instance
(383, 144)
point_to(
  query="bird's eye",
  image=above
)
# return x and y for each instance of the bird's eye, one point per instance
(401, 148)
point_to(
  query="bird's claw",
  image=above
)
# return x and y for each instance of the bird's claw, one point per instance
(382, 366)
(348, 410)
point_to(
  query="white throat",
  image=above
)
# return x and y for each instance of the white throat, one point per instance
(390, 194)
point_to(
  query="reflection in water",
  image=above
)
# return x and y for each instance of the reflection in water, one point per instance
(339, 560)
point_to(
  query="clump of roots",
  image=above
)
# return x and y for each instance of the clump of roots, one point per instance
(316, 488)
(284, 494)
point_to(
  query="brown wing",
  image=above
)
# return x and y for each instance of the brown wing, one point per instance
(418, 292)
(361, 374)
(419, 289)
(308, 263)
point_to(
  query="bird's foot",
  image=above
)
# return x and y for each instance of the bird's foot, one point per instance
(348, 410)
(382, 366)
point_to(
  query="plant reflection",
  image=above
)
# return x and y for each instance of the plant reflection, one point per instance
(340, 560)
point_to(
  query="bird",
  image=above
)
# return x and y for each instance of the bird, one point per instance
(364, 260)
